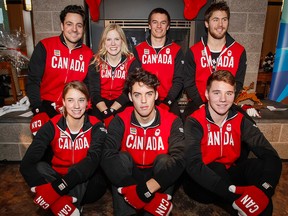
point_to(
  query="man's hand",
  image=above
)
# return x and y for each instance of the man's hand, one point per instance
(106, 114)
(159, 205)
(252, 201)
(45, 195)
(64, 206)
(251, 111)
(131, 196)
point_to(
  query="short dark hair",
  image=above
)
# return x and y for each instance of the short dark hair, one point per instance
(216, 6)
(140, 75)
(73, 9)
(161, 11)
(221, 75)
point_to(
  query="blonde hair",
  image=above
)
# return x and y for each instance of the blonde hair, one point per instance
(102, 51)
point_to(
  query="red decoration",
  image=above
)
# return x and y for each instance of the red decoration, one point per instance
(94, 9)
(192, 8)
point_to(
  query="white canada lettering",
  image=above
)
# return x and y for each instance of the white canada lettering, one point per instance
(36, 124)
(41, 202)
(137, 142)
(222, 61)
(214, 138)
(117, 74)
(65, 210)
(162, 207)
(62, 63)
(157, 59)
(79, 143)
(249, 203)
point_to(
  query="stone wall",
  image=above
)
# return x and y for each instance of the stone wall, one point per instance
(247, 27)
(277, 134)
(15, 139)
(46, 19)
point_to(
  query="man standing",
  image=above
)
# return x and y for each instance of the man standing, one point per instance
(164, 58)
(57, 61)
(218, 170)
(144, 151)
(216, 51)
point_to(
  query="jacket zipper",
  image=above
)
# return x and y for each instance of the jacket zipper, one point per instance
(221, 139)
(145, 143)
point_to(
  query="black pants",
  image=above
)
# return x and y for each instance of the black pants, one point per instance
(248, 172)
(120, 206)
(86, 192)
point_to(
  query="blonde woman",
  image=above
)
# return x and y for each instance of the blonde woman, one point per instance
(107, 73)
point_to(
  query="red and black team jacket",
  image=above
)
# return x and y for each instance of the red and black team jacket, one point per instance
(164, 136)
(220, 144)
(199, 66)
(68, 152)
(167, 65)
(52, 65)
(206, 142)
(108, 83)
(80, 155)
(145, 144)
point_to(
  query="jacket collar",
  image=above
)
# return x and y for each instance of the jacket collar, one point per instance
(123, 59)
(156, 122)
(79, 44)
(63, 125)
(167, 42)
(229, 40)
(231, 113)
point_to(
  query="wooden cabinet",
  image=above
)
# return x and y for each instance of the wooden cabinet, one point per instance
(263, 84)
(7, 69)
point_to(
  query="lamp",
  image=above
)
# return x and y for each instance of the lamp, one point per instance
(27, 4)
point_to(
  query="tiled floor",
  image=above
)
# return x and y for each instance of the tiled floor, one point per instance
(16, 198)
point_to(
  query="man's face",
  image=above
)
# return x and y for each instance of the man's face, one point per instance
(218, 24)
(143, 98)
(220, 98)
(73, 29)
(158, 25)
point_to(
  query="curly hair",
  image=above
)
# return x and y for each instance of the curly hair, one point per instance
(145, 77)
